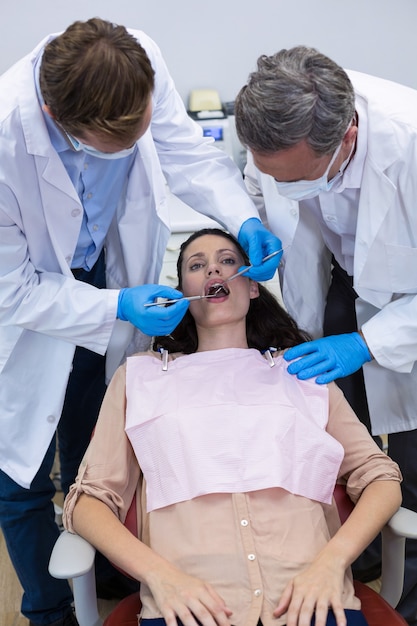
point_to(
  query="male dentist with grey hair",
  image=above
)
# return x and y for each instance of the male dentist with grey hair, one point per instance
(333, 167)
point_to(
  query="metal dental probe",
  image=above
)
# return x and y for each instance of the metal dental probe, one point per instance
(179, 300)
(249, 267)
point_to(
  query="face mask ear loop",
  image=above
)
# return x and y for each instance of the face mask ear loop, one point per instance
(333, 159)
(347, 160)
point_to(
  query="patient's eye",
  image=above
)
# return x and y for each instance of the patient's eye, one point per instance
(229, 261)
(196, 266)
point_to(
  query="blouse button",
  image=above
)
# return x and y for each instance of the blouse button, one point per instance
(244, 522)
(257, 593)
(251, 557)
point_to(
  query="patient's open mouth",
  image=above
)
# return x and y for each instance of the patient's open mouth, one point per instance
(218, 290)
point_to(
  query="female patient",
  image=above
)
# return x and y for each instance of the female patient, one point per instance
(233, 462)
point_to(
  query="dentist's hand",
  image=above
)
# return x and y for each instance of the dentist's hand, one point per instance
(328, 358)
(258, 242)
(155, 320)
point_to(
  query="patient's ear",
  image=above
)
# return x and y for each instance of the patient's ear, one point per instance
(47, 110)
(253, 289)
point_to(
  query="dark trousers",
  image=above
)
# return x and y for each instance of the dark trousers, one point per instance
(27, 515)
(340, 317)
(354, 618)
(402, 448)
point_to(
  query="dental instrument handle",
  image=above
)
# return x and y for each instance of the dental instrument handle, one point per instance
(246, 269)
(242, 271)
(189, 298)
(269, 256)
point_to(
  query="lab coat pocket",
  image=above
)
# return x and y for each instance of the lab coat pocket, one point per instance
(402, 268)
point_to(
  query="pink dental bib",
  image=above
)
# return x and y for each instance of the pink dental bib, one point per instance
(226, 422)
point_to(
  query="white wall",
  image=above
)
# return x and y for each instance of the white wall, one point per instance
(215, 43)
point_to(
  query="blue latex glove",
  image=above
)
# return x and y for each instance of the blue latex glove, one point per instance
(154, 320)
(258, 242)
(328, 358)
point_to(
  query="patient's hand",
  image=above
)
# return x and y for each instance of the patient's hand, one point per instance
(314, 590)
(179, 595)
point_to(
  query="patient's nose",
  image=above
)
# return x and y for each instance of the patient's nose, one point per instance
(213, 268)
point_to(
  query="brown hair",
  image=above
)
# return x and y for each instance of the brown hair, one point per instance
(96, 77)
(267, 323)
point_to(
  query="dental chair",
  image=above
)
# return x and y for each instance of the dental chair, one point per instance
(73, 558)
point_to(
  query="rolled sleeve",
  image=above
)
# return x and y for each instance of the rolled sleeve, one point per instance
(364, 462)
(109, 470)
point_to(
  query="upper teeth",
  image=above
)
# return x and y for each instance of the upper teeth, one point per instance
(215, 289)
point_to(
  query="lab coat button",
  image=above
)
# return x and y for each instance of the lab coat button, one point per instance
(251, 557)
(50, 419)
(294, 212)
(244, 522)
(75, 212)
(68, 258)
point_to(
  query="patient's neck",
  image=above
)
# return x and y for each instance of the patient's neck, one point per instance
(221, 337)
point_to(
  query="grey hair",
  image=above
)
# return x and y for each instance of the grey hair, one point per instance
(294, 95)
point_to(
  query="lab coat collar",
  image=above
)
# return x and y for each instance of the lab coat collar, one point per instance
(386, 150)
(33, 123)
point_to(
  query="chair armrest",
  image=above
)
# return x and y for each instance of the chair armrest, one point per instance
(73, 557)
(402, 525)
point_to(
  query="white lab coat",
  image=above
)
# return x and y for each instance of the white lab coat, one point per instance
(385, 256)
(44, 312)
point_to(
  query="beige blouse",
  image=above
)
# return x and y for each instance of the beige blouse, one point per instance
(247, 545)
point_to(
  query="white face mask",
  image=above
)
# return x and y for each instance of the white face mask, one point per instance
(78, 146)
(306, 189)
